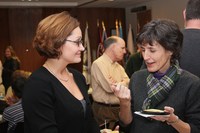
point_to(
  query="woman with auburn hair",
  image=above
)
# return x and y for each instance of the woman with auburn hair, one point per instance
(55, 98)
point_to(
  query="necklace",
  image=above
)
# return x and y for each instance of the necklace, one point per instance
(65, 80)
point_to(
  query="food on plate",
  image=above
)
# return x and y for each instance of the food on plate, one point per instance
(155, 112)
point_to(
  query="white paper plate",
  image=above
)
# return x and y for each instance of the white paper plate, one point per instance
(147, 115)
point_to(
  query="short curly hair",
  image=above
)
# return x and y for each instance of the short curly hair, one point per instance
(52, 32)
(166, 33)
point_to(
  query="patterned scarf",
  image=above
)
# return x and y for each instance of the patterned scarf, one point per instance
(159, 89)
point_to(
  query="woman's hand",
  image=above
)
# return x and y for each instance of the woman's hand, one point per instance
(122, 92)
(171, 118)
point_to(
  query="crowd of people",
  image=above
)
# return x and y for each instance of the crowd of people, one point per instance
(54, 98)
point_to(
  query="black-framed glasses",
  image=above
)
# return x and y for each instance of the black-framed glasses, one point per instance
(78, 42)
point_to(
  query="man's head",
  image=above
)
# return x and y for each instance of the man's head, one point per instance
(19, 78)
(115, 48)
(192, 10)
(192, 14)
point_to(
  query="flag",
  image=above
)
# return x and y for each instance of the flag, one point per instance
(117, 27)
(130, 45)
(120, 30)
(103, 37)
(104, 34)
(99, 32)
(87, 57)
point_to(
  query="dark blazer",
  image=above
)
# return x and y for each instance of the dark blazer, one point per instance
(50, 108)
(184, 98)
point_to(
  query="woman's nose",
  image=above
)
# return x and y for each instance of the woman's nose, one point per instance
(145, 55)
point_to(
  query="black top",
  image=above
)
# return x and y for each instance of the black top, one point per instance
(190, 57)
(50, 108)
(134, 64)
(9, 66)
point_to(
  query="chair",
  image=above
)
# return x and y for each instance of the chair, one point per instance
(3, 127)
(3, 105)
(19, 127)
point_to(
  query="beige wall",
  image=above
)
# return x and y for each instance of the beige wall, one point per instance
(170, 9)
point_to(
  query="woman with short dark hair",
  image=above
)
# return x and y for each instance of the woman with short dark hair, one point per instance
(163, 87)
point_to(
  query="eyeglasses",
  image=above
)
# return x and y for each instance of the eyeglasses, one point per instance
(78, 42)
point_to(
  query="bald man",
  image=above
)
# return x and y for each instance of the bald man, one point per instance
(106, 70)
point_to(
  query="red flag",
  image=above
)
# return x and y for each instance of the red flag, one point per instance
(103, 37)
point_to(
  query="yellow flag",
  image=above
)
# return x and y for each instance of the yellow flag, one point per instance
(130, 44)
(87, 57)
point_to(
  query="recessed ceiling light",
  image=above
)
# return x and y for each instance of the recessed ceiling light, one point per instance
(111, 0)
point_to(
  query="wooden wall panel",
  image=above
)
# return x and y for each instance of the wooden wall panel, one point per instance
(4, 31)
(143, 17)
(21, 23)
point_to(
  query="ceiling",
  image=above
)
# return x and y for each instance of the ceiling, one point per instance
(69, 3)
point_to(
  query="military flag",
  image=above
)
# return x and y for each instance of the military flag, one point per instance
(130, 44)
(87, 57)
(117, 27)
(120, 29)
(103, 37)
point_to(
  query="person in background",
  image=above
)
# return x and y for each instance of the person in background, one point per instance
(134, 63)
(161, 85)
(2, 89)
(104, 71)
(14, 113)
(10, 97)
(191, 43)
(55, 98)
(10, 64)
